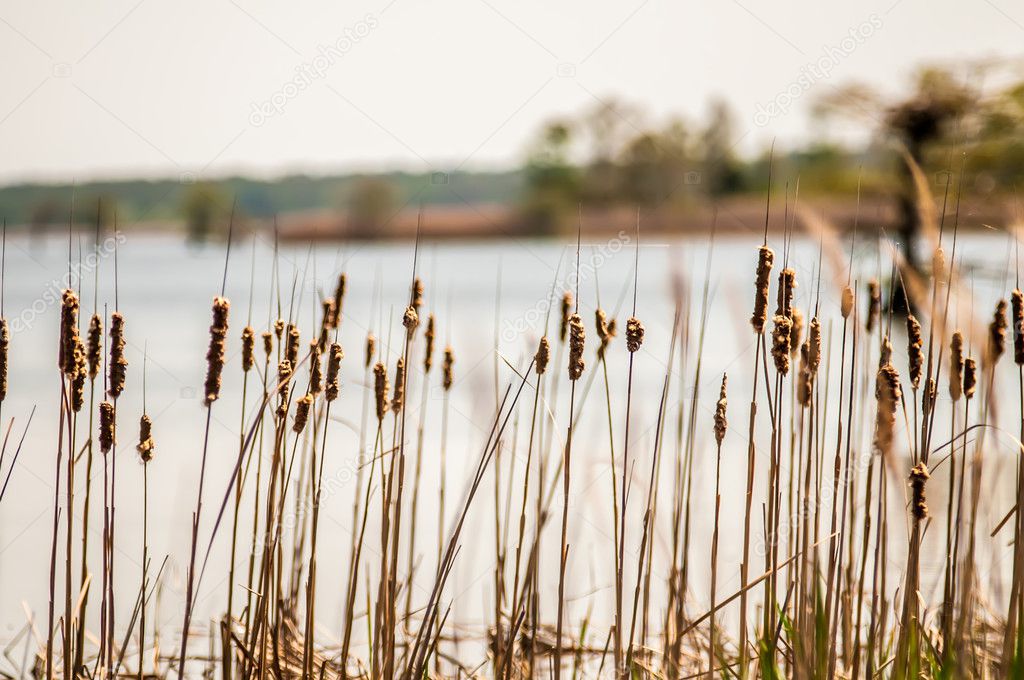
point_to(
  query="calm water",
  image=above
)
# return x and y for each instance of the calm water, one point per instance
(165, 291)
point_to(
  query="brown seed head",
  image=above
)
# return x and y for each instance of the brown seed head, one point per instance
(721, 423)
(918, 479)
(95, 347)
(5, 346)
(339, 300)
(428, 350)
(68, 332)
(118, 363)
(797, 334)
(634, 334)
(78, 379)
(291, 346)
(1017, 318)
(577, 339)
(915, 350)
(846, 304)
(997, 332)
(334, 357)
(566, 311)
(956, 366)
(874, 305)
(248, 348)
(371, 348)
(884, 351)
(605, 331)
(449, 362)
(410, 319)
(316, 374)
(784, 295)
(543, 356)
(781, 342)
(279, 328)
(398, 399)
(107, 426)
(215, 353)
(302, 412)
(970, 377)
(417, 294)
(380, 389)
(931, 391)
(805, 379)
(765, 259)
(268, 343)
(939, 265)
(887, 397)
(814, 347)
(146, 445)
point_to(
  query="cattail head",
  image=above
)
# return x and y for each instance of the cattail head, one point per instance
(291, 345)
(634, 334)
(970, 377)
(5, 346)
(721, 423)
(380, 389)
(118, 362)
(417, 294)
(543, 356)
(797, 334)
(78, 379)
(327, 307)
(781, 342)
(805, 379)
(939, 265)
(146, 445)
(95, 345)
(997, 332)
(765, 259)
(215, 353)
(398, 399)
(884, 351)
(1017, 318)
(316, 374)
(410, 319)
(279, 328)
(887, 397)
(334, 357)
(784, 295)
(931, 391)
(918, 479)
(814, 346)
(68, 332)
(284, 380)
(446, 367)
(915, 350)
(428, 350)
(874, 305)
(566, 311)
(956, 366)
(605, 330)
(339, 300)
(268, 343)
(248, 348)
(107, 426)
(846, 303)
(577, 339)
(302, 412)
(371, 348)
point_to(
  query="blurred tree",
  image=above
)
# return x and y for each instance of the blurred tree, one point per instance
(723, 170)
(553, 185)
(656, 168)
(371, 203)
(203, 204)
(606, 130)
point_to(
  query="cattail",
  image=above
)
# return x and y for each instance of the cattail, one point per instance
(428, 350)
(577, 338)
(781, 342)
(248, 348)
(334, 357)
(146, 445)
(68, 332)
(279, 328)
(566, 311)
(805, 379)
(95, 341)
(411, 319)
(371, 348)
(874, 305)
(918, 478)
(784, 295)
(78, 379)
(1017, 311)
(399, 396)
(846, 304)
(956, 366)
(721, 423)
(970, 377)
(634, 334)
(118, 362)
(605, 331)
(284, 384)
(797, 334)
(316, 375)
(327, 307)
(268, 343)
(931, 391)
(5, 345)
(939, 265)
(765, 258)
(887, 397)
(543, 355)
(997, 332)
(339, 300)
(449, 362)
(107, 425)
(302, 412)
(291, 346)
(884, 352)
(417, 294)
(380, 389)
(814, 347)
(215, 354)
(915, 353)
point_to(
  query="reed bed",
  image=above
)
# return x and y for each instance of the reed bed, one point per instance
(871, 444)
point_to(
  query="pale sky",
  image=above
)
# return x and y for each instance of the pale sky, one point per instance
(208, 87)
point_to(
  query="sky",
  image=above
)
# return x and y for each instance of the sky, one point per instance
(204, 88)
